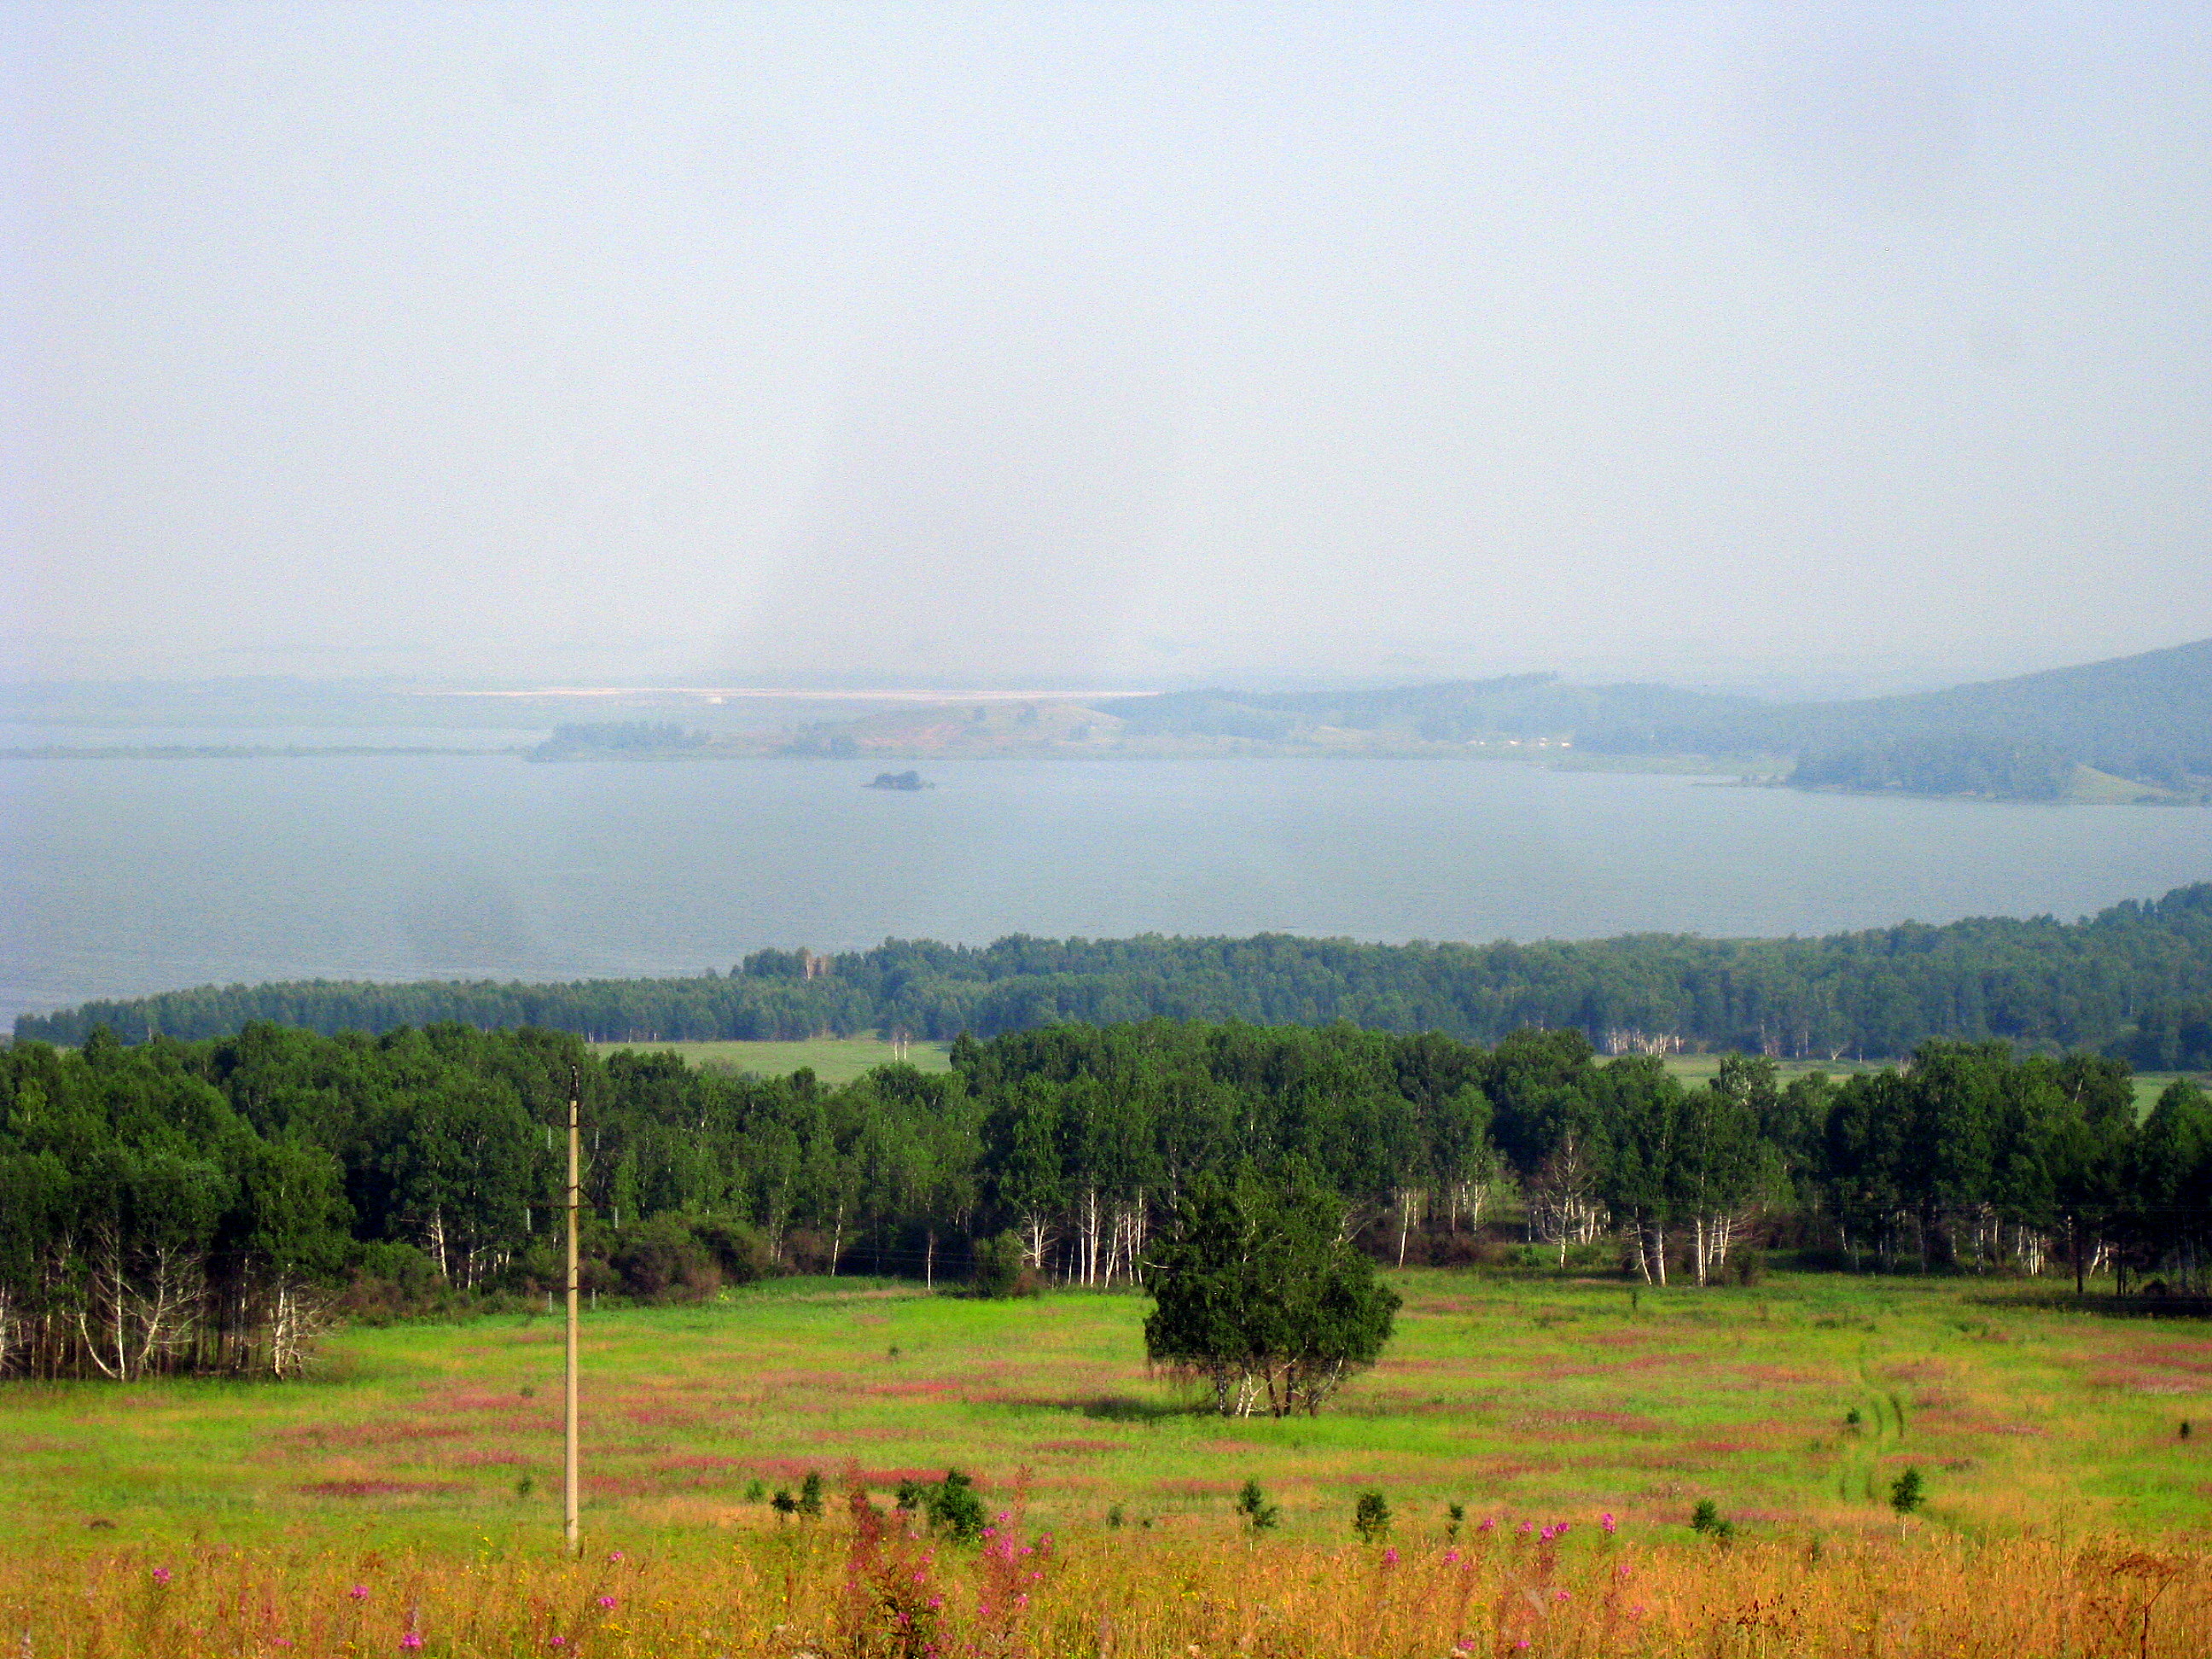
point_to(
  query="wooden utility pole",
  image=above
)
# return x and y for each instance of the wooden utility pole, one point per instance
(573, 1530)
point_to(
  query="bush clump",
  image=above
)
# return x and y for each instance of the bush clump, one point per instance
(951, 1506)
(1370, 1517)
(1707, 1523)
(1907, 1492)
(662, 1260)
(1252, 1503)
(1002, 1267)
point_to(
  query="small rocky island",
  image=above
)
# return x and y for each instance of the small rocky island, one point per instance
(900, 780)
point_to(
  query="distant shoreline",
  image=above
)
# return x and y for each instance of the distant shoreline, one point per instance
(1710, 771)
(233, 751)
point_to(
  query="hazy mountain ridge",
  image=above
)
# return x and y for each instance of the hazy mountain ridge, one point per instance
(2145, 718)
(2132, 728)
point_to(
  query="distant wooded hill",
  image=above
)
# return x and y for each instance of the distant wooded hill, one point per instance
(2146, 719)
(2135, 729)
(2134, 980)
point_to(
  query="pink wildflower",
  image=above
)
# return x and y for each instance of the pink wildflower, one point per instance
(1526, 1528)
(1562, 1596)
(1450, 1556)
(1390, 1558)
(1559, 1530)
(559, 1641)
(935, 1602)
(412, 1640)
(617, 1555)
(1609, 1524)
(359, 1592)
(1489, 1523)
(1520, 1645)
(606, 1600)
(161, 1574)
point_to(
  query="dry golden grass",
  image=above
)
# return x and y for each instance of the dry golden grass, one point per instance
(858, 1585)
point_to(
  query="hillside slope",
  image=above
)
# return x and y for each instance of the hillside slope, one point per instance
(2145, 718)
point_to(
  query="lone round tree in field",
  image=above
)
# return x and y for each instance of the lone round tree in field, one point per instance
(1260, 1294)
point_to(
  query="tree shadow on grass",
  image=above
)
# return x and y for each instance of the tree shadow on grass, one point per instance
(2140, 1305)
(1126, 1408)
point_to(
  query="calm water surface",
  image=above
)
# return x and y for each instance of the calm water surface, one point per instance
(131, 876)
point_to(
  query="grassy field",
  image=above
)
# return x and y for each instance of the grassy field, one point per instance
(1515, 1397)
(421, 1466)
(835, 1059)
(840, 1059)
(1695, 1071)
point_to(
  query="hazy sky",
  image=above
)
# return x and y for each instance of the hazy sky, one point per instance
(1129, 343)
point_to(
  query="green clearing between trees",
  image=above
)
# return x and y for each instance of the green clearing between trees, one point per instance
(1514, 1392)
(834, 1061)
(841, 1059)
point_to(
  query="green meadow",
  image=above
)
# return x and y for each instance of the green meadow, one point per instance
(834, 1060)
(1514, 1394)
(841, 1059)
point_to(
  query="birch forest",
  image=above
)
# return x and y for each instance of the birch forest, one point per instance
(208, 1206)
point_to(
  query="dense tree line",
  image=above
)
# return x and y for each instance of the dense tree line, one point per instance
(2134, 980)
(202, 1205)
(1961, 764)
(619, 740)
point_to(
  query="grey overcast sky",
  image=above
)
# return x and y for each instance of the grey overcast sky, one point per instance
(1791, 345)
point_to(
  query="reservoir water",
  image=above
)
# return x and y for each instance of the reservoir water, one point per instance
(130, 876)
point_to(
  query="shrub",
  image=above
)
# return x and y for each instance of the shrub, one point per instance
(661, 1260)
(1001, 1268)
(742, 1254)
(1746, 1266)
(1370, 1517)
(810, 1493)
(951, 1506)
(1907, 1492)
(596, 1278)
(1705, 1520)
(393, 1280)
(1252, 1503)
(807, 1251)
(1466, 1250)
